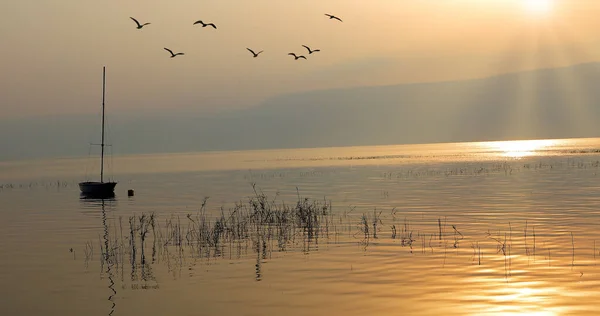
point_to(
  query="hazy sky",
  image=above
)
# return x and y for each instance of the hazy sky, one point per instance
(53, 51)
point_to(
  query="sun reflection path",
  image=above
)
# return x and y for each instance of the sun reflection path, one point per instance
(519, 148)
(516, 299)
(538, 7)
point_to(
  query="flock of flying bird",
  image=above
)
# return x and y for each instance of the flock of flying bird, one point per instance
(254, 54)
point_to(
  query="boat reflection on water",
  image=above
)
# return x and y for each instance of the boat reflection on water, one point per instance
(97, 199)
(107, 262)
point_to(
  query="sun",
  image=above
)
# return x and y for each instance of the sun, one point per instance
(538, 7)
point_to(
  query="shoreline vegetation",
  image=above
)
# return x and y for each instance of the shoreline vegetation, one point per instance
(402, 172)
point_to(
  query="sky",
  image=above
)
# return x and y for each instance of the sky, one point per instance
(53, 51)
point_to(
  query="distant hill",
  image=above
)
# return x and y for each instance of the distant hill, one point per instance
(547, 103)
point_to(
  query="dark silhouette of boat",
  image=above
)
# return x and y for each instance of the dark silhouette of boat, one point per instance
(99, 189)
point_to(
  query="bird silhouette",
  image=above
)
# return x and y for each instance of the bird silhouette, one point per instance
(173, 55)
(205, 24)
(253, 53)
(296, 57)
(333, 17)
(139, 26)
(311, 51)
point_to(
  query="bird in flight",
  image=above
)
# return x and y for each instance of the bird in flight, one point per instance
(139, 26)
(205, 24)
(311, 51)
(253, 53)
(296, 57)
(333, 17)
(173, 55)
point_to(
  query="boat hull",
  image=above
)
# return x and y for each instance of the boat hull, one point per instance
(97, 189)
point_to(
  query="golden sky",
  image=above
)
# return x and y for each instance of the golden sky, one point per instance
(53, 51)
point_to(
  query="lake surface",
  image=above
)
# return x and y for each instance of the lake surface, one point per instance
(498, 228)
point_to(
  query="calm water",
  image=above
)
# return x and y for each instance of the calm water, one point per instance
(505, 228)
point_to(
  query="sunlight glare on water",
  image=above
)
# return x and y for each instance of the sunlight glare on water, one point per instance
(516, 299)
(520, 148)
(293, 158)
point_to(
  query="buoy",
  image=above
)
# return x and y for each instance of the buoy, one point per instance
(130, 192)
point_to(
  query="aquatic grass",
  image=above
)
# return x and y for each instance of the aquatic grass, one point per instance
(269, 219)
(55, 184)
(263, 226)
(276, 227)
(476, 252)
(406, 235)
(88, 253)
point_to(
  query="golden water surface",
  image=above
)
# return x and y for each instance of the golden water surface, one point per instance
(491, 228)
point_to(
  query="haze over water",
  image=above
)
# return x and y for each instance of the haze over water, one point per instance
(501, 228)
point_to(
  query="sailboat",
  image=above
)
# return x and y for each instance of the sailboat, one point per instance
(99, 189)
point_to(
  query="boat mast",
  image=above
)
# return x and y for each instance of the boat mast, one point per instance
(102, 142)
